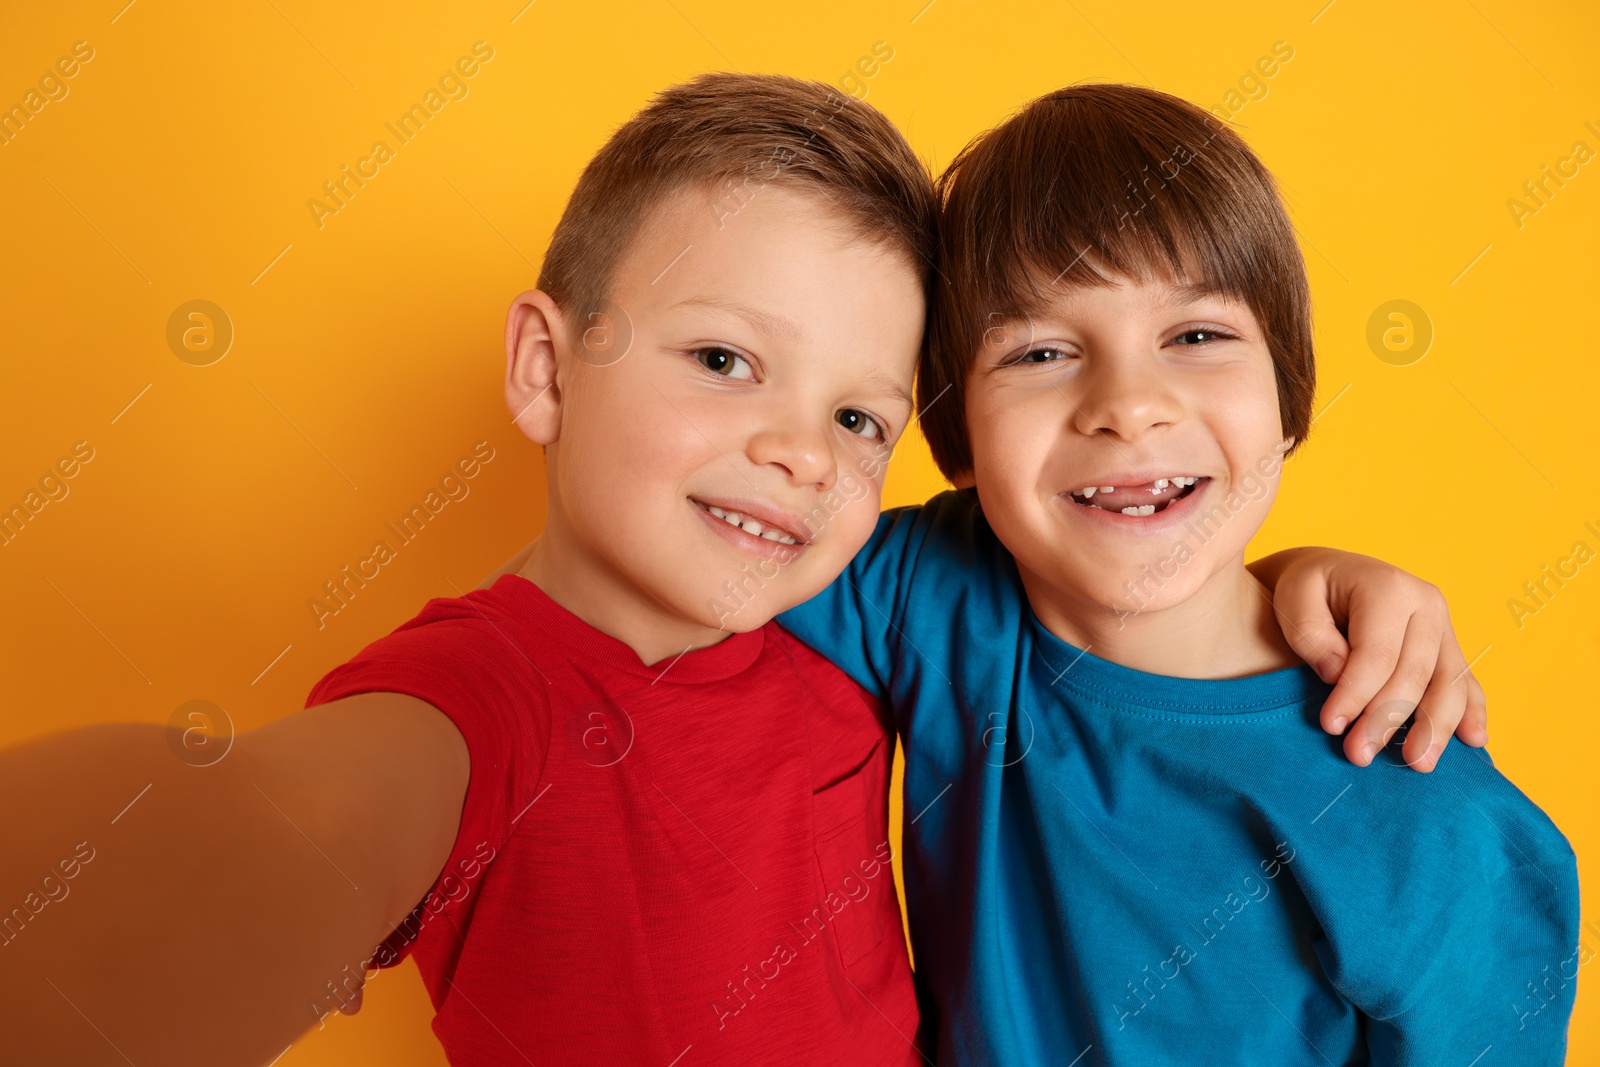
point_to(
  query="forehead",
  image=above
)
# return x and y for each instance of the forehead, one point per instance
(757, 221)
(1154, 293)
(785, 266)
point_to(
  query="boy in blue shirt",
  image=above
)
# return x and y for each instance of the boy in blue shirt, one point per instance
(1127, 839)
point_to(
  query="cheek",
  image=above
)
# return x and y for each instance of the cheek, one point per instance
(985, 431)
(858, 500)
(1252, 397)
(625, 432)
(1239, 411)
(859, 516)
(1012, 433)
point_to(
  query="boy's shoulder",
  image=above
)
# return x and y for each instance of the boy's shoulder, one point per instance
(1401, 871)
(942, 541)
(1290, 754)
(948, 521)
(475, 657)
(1258, 740)
(479, 621)
(508, 600)
(1443, 867)
(1385, 830)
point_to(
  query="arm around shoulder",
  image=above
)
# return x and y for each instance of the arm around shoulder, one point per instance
(851, 620)
(173, 913)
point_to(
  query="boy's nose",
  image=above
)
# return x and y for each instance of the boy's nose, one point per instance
(805, 457)
(1123, 401)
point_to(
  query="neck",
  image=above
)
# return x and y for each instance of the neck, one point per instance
(593, 590)
(1226, 629)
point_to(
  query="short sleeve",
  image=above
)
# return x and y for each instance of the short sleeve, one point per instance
(854, 621)
(1452, 922)
(470, 670)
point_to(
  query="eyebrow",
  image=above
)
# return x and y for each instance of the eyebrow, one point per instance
(764, 322)
(891, 388)
(1193, 293)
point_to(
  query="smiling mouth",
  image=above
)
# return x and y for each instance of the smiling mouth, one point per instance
(747, 524)
(1147, 498)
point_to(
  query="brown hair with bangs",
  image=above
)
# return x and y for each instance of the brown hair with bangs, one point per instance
(1092, 183)
(734, 134)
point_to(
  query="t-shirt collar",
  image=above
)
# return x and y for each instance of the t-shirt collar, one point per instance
(1081, 671)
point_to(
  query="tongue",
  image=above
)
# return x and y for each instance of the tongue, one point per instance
(1133, 496)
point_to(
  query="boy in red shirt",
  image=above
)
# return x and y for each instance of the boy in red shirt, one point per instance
(649, 826)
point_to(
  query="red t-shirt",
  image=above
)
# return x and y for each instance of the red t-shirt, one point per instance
(678, 864)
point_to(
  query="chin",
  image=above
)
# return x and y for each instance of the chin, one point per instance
(741, 622)
(743, 605)
(1146, 588)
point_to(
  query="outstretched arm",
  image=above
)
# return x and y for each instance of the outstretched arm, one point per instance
(170, 913)
(1385, 637)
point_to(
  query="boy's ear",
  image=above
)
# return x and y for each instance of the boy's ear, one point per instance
(535, 330)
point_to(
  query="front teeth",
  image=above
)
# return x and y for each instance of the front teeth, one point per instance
(1138, 510)
(751, 526)
(1088, 491)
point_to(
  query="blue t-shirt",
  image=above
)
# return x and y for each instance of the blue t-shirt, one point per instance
(1106, 866)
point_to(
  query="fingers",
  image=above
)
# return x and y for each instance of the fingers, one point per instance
(1472, 727)
(1443, 706)
(1377, 637)
(1392, 662)
(1401, 657)
(1306, 619)
(1453, 704)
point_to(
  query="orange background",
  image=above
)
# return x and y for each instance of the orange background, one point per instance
(367, 352)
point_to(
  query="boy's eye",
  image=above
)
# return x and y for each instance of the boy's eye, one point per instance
(1041, 355)
(1199, 336)
(859, 423)
(725, 363)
